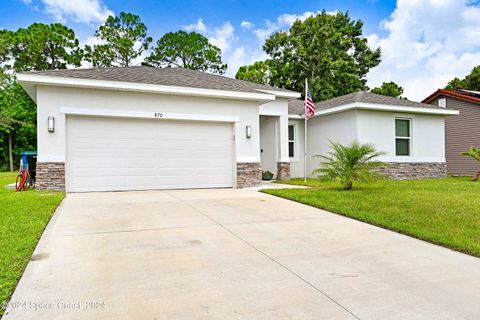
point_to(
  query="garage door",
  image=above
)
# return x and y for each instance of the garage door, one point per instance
(108, 154)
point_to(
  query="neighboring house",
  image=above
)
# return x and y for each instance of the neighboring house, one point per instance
(461, 131)
(410, 133)
(140, 128)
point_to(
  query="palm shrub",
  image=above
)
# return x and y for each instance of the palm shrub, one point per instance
(349, 163)
(475, 154)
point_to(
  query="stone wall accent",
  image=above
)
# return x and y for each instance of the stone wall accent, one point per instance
(249, 174)
(50, 176)
(414, 170)
(283, 170)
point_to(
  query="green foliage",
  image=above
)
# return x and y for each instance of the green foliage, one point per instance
(18, 117)
(473, 153)
(23, 217)
(390, 89)
(5, 46)
(259, 72)
(123, 39)
(187, 50)
(470, 82)
(455, 83)
(348, 164)
(40, 47)
(328, 50)
(441, 211)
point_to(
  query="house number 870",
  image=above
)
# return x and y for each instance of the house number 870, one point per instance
(158, 115)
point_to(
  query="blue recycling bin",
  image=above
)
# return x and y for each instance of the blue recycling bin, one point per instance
(29, 162)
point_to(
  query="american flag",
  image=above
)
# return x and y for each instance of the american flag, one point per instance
(309, 105)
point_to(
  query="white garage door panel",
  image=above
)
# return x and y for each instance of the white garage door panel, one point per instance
(107, 154)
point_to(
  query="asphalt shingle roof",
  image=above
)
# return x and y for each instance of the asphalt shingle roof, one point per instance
(295, 106)
(161, 76)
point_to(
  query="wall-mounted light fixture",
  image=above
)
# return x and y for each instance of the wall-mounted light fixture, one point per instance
(248, 131)
(51, 123)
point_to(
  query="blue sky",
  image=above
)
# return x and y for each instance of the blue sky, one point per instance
(424, 43)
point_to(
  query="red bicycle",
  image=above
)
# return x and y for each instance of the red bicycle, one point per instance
(24, 182)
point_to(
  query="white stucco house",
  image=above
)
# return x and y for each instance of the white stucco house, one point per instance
(411, 134)
(139, 128)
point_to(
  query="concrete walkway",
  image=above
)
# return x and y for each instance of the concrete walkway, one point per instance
(234, 254)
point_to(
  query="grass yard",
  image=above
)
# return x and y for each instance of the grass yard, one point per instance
(23, 217)
(441, 211)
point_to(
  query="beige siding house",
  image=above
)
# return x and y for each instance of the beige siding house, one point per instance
(461, 131)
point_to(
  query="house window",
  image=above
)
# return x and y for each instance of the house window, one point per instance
(402, 136)
(291, 141)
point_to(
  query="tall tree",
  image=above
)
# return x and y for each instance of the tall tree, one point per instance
(455, 83)
(390, 89)
(470, 82)
(328, 50)
(4, 47)
(259, 72)
(40, 47)
(17, 123)
(187, 50)
(122, 40)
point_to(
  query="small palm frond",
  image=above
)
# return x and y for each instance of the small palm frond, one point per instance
(473, 152)
(349, 163)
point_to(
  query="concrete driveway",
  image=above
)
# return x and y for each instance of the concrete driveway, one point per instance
(234, 254)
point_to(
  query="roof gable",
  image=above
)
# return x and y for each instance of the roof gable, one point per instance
(469, 96)
(179, 77)
(366, 100)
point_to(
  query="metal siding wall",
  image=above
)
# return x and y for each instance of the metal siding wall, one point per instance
(461, 132)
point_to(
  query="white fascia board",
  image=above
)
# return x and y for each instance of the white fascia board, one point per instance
(295, 116)
(147, 115)
(270, 113)
(384, 107)
(141, 87)
(281, 94)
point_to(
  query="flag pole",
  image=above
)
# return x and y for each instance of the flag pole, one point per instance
(305, 139)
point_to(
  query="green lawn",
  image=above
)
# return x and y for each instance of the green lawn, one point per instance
(441, 211)
(23, 217)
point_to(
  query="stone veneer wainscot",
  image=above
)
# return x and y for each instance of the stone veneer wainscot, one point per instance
(50, 176)
(283, 170)
(414, 170)
(249, 174)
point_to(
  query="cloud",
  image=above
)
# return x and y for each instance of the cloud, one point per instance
(198, 27)
(284, 21)
(427, 44)
(242, 56)
(81, 11)
(223, 36)
(247, 25)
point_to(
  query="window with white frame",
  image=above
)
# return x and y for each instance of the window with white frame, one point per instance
(403, 136)
(291, 141)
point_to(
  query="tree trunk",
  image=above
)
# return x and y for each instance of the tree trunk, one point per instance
(10, 152)
(348, 185)
(476, 177)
